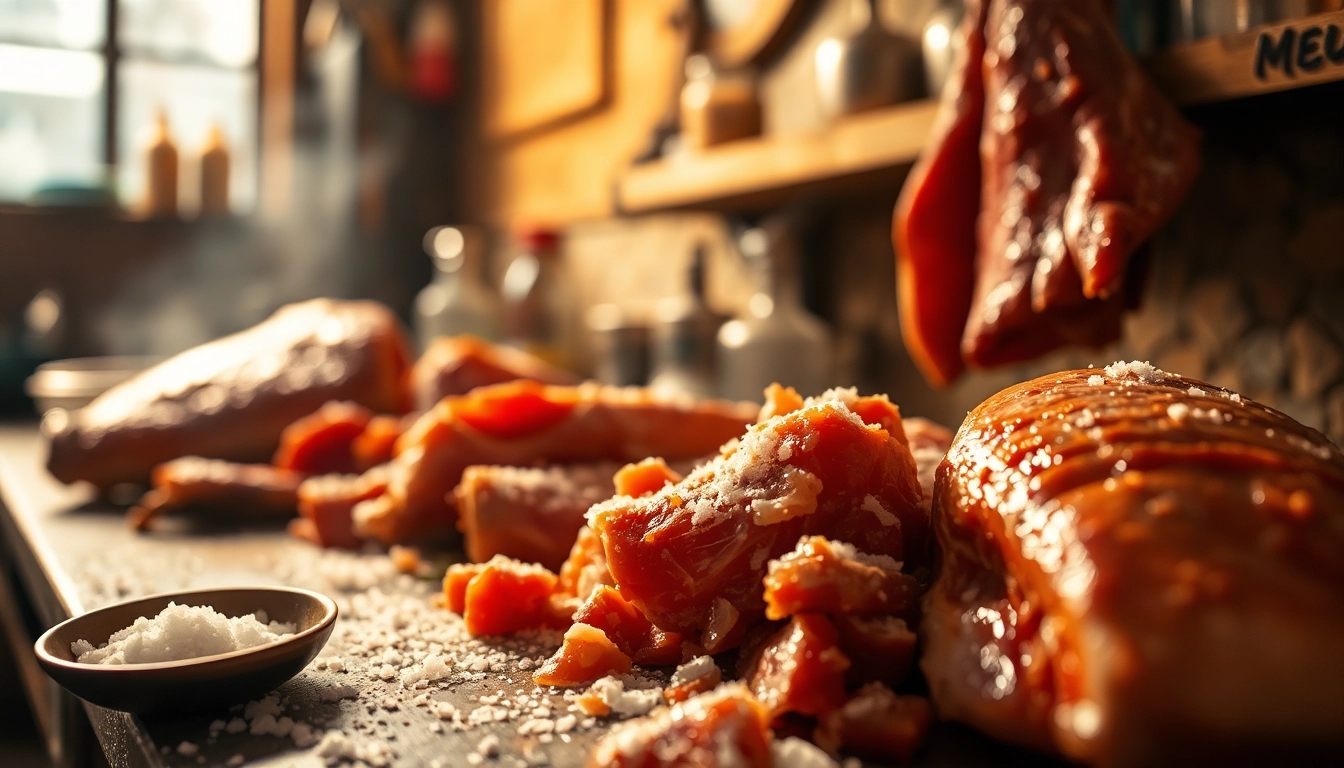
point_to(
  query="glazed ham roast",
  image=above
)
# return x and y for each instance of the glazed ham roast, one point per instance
(1140, 568)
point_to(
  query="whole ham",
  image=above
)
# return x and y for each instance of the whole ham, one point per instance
(1140, 569)
(1054, 159)
(231, 398)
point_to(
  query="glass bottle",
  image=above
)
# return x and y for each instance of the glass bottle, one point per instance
(684, 333)
(161, 167)
(215, 174)
(536, 298)
(777, 339)
(457, 300)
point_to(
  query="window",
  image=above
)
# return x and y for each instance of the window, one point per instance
(81, 82)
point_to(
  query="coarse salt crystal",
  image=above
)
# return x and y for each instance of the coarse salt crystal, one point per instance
(885, 517)
(793, 752)
(488, 746)
(1178, 411)
(612, 691)
(1144, 371)
(181, 632)
(269, 705)
(187, 748)
(693, 670)
(1195, 392)
(1095, 381)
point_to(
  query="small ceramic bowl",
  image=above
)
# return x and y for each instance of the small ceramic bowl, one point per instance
(208, 682)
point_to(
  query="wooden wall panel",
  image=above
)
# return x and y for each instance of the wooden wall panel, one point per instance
(566, 172)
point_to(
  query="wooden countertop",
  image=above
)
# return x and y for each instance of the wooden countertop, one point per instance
(73, 554)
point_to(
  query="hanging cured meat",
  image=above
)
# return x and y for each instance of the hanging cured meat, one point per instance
(1075, 162)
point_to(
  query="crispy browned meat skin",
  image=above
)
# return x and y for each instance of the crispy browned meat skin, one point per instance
(523, 423)
(1140, 569)
(532, 514)
(230, 399)
(1082, 161)
(194, 482)
(455, 365)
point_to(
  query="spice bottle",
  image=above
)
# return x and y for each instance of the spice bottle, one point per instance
(684, 333)
(777, 339)
(161, 171)
(215, 174)
(457, 300)
(536, 298)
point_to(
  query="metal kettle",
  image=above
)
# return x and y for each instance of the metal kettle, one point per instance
(868, 67)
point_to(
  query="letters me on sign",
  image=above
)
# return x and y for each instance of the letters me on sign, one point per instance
(1299, 50)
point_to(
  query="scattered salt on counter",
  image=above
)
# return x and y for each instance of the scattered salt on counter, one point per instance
(182, 632)
(623, 701)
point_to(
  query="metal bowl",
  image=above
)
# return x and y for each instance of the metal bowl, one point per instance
(75, 382)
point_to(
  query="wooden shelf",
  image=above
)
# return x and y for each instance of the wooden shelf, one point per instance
(758, 173)
(1236, 66)
(875, 148)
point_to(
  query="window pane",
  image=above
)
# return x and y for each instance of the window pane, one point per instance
(63, 23)
(221, 31)
(193, 97)
(51, 119)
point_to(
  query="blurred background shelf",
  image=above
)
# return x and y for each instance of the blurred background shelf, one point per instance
(1225, 68)
(869, 148)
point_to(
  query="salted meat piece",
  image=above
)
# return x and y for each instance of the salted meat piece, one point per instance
(692, 555)
(322, 442)
(934, 226)
(376, 444)
(880, 648)
(197, 484)
(645, 477)
(1140, 569)
(231, 398)
(531, 514)
(629, 629)
(695, 677)
(800, 669)
(821, 576)
(327, 503)
(725, 728)
(876, 722)
(523, 424)
(1082, 160)
(585, 569)
(586, 654)
(455, 365)
(504, 596)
